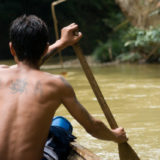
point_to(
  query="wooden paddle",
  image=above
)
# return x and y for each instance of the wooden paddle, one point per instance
(125, 150)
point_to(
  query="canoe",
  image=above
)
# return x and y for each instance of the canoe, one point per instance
(79, 152)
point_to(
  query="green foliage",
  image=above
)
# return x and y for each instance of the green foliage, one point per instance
(142, 38)
(144, 42)
(131, 44)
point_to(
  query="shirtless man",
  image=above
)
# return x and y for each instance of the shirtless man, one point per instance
(30, 97)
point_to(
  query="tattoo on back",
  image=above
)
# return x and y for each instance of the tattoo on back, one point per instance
(38, 90)
(18, 86)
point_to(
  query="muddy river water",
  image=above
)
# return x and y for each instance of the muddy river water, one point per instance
(133, 95)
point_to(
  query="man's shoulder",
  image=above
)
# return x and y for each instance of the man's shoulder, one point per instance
(51, 77)
(55, 84)
(3, 66)
(54, 79)
(4, 69)
(59, 81)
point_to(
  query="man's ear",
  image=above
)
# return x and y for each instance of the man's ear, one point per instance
(12, 50)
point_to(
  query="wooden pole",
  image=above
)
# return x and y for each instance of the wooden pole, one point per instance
(52, 53)
(56, 25)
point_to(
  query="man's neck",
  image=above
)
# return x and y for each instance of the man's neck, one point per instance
(28, 65)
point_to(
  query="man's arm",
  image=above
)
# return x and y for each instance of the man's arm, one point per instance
(69, 36)
(93, 126)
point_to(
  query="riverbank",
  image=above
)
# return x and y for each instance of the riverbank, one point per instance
(74, 63)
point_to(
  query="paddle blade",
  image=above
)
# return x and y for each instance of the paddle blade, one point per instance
(126, 152)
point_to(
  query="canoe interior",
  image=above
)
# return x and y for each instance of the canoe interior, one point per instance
(79, 152)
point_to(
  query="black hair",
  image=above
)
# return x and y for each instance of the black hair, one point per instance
(29, 37)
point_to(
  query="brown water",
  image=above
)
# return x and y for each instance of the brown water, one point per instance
(133, 94)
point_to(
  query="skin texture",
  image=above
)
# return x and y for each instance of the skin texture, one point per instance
(29, 99)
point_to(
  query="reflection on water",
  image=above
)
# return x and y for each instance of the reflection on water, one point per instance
(133, 94)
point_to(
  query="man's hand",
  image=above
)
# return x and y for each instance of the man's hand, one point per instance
(120, 135)
(70, 35)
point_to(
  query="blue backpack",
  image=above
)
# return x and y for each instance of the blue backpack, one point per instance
(60, 135)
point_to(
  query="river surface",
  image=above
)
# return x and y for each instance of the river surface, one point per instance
(133, 95)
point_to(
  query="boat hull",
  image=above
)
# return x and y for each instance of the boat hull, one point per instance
(79, 152)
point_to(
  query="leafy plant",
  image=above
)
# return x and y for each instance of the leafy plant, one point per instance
(144, 42)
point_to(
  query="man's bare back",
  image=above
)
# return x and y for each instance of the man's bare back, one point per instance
(29, 99)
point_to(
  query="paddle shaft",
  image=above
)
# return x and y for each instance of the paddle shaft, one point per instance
(95, 87)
